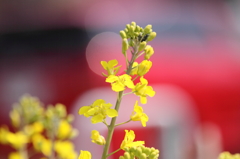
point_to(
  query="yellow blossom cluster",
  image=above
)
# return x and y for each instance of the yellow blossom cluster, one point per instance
(39, 131)
(134, 42)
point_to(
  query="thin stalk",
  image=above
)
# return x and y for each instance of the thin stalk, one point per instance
(123, 122)
(117, 106)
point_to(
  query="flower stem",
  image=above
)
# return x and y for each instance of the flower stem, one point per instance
(117, 106)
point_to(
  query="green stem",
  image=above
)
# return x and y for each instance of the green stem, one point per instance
(114, 152)
(117, 106)
(111, 127)
(123, 122)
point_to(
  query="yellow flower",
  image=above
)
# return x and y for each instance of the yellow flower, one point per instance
(110, 67)
(65, 149)
(36, 127)
(98, 110)
(128, 140)
(64, 130)
(15, 155)
(97, 138)
(227, 155)
(17, 140)
(143, 90)
(85, 155)
(41, 144)
(144, 67)
(120, 82)
(148, 52)
(139, 115)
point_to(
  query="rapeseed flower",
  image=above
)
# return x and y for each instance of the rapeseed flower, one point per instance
(110, 67)
(85, 155)
(99, 110)
(97, 138)
(129, 140)
(143, 90)
(120, 82)
(139, 115)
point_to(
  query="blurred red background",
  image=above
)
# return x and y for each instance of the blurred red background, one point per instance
(44, 51)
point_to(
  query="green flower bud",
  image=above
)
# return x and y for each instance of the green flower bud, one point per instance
(127, 155)
(143, 156)
(121, 157)
(124, 46)
(147, 29)
(151, 36)
(123, 34)
(128, 26)
(138, 28)
(131, 43)
(133, 24)
(142, 45)
(138, 151)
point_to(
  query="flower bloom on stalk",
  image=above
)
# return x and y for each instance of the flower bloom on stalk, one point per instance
(98, 110)
(41, 144)
(143, 90)
(85, 155)
(64, 129)
(128, 140)
(120, 82)
(65, 149)
(139, 115)
(97, 138)
(110, 67)
(142, 68)
(17, 140)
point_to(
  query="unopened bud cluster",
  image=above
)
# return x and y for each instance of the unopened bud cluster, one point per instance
(137, 37)
(140, 152)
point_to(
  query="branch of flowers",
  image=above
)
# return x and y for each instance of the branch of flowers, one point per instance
(113, 121)
(114, 152)
(123, 122)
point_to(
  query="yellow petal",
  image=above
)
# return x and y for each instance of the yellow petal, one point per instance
(85, 155)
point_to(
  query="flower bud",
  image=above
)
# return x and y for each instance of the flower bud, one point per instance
(133, 24)
(144, 67)
(142, 45)
(148, 52)
(128, 26)
(121, 157)
(124, 46)
(147, 29)
(143, 156)
(97, 138)
(123, 34)
(127, 155)
(151, 36)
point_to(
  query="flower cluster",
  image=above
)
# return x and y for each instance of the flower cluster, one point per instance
(140, 152)
(48, 130)
(134, 42)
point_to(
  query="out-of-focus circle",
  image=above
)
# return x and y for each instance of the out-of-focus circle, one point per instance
(104, 47)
